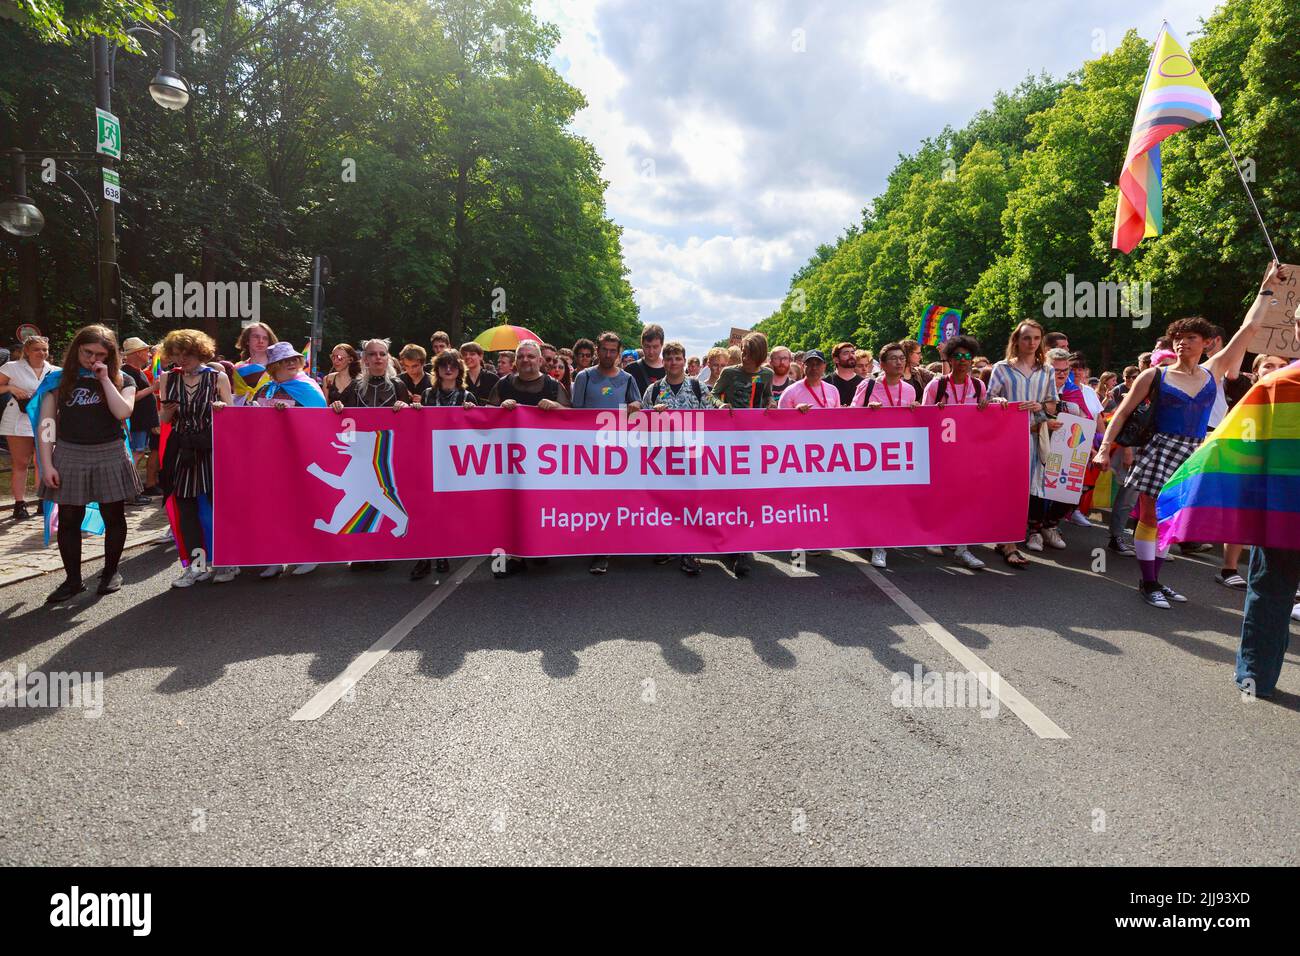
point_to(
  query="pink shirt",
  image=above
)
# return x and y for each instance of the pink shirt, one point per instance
(967, 394)
(799, 393)
(901, 395)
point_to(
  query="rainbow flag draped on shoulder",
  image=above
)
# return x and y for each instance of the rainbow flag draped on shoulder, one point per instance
(1174, 98)
(1243, 485)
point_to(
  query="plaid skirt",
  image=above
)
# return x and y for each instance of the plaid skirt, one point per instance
(1156, 463)
(89, 473)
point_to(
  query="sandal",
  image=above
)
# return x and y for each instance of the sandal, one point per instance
(1014, 558)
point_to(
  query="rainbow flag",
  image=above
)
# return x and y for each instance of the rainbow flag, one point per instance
(307, 359)
(938, 324)
(1174, 98)
(1243, 485)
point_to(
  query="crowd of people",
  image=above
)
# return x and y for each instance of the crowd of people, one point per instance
(109, 406)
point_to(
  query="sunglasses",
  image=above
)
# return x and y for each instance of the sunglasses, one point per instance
(960, 357)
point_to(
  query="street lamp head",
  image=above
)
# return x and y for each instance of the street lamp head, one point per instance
(20, 217)
(169, 90)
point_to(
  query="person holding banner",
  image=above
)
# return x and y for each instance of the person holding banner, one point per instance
(605, 385)
(1024, 377)
(811, 391)
(190, 391)
(342, 381)
(84, 457)
(891, 390)
(450, 391)
(1184, 395)
(527, 386)
(959, 387)
(287, 384)
(378, 386)
(676, 392)
(745, 385)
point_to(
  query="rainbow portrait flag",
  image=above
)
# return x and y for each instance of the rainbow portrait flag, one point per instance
(1243, 485)
(938, 324)
(1174, 98)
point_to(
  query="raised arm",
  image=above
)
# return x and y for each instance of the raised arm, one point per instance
(1229, 359)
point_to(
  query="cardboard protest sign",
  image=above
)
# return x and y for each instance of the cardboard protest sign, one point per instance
(1276, 336)
(1067, 459)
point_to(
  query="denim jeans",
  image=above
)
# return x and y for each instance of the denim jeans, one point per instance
(1125, 498)
(1271, 584)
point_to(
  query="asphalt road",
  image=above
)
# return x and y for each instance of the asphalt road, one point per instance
(645, 717)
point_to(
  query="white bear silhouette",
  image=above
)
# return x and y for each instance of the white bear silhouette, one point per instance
(360, 484)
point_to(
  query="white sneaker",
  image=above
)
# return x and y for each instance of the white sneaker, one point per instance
(205, 575)
(1295, 613)
(1079, 518)
(187, 578)
(305, 568)
(223, 575)
(968, 560)
(1053, 538)
(272, 571)
(935, 550)
(1034, 542)
(877, 557)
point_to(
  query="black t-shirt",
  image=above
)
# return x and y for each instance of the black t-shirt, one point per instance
(85, 418)
(847, 387)
(416, 388)
(483, 387)
(144, 416)
(380, 393)
(778, 389)
(437, 398)
(529, 393)
(644, 374)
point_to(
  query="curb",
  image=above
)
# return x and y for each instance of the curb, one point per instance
(138, 541)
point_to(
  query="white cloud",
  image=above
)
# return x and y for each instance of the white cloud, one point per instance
(733, 151)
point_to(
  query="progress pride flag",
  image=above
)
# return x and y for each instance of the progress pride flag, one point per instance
(374, 484)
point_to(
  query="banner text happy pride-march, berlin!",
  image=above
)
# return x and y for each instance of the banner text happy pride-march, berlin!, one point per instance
(374, 484)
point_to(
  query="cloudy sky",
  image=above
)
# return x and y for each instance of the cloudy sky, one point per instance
(737, 135)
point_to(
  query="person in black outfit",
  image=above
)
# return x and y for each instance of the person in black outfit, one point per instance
(479, 379)
(527, 386)
(649, 369)
(341, 382)
(378, 386)
(449, 392)
(413, 376)
(87, 460)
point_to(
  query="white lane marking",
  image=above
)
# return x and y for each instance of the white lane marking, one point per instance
(1012, 699)
(331, 693)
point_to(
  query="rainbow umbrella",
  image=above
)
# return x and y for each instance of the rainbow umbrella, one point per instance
(505, 338)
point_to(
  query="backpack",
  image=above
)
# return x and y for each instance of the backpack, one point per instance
(941, 393)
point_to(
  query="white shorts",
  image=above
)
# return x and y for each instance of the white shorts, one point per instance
(14, 422)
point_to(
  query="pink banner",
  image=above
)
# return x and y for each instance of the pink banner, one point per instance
(307, 485)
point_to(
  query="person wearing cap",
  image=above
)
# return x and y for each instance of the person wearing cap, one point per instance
(811, 391)
(145, 428)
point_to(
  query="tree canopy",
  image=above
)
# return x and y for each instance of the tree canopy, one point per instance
(424, 147)
(985, 218)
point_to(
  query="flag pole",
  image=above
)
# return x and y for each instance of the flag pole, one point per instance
(1249, 195)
